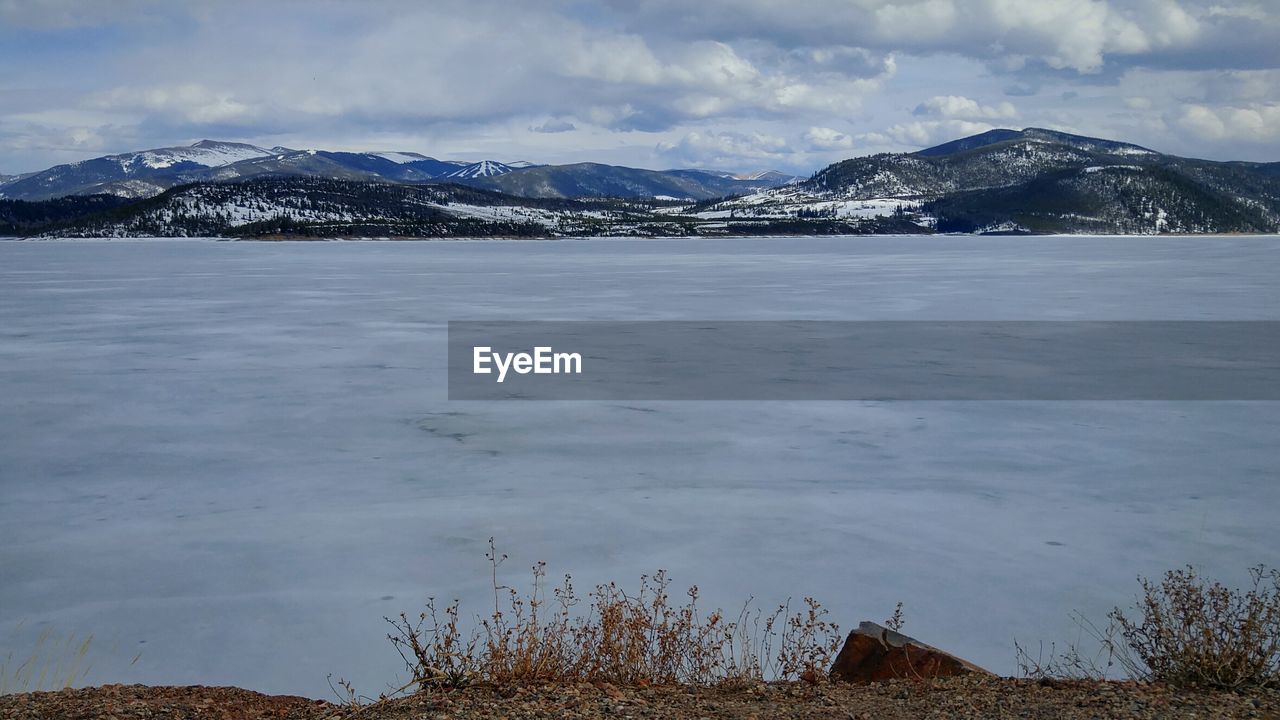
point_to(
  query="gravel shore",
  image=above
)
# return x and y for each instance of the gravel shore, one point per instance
(961, 698)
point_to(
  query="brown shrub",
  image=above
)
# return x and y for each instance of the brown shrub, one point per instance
(641, 639)
(1185, 631)
(1189, 631)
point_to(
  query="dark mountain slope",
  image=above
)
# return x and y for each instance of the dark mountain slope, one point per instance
(602, 181)
(1010, 177)
(1114, 199)
(150, 172)
(991, 137)
(135, 174)
(1009, 181)
(324, 207)
(17, 217)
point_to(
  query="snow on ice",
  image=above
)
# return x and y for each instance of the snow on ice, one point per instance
(233, 459)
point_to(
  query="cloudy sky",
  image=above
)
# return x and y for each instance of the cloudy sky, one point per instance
(734, 84)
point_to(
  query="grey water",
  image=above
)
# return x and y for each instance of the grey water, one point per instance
(231, 460)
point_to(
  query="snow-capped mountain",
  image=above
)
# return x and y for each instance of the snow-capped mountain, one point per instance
(1031, 180)
(149, 172)
(596, 180)
(206, 153)
(134, 174)
(400, 157)
(484, 168)
(999, 135)
(772, 176)
(398, 167)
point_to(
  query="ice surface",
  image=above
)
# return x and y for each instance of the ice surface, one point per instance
(235, 458)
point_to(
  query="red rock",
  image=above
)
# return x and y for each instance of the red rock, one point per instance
(874, 652)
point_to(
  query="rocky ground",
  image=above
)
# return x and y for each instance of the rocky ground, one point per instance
(968, 697)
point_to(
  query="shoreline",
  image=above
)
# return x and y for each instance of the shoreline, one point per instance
(545, 238)
(961, 697)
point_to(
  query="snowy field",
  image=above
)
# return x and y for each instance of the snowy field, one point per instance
(234, 458)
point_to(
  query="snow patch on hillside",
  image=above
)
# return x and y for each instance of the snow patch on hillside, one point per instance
(1129, 150)
(400, 158)
(206, 153)
(1099, 168)
(788, 202)
(484, 168)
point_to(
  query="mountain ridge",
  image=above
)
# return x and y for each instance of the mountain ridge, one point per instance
(598, 180)
(147, 173)
(1038, 180)
(1008, 181)
(999, 135)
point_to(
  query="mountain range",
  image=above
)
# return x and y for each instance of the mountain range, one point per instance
(1032, 180)
(1003, 181)
(148, 173)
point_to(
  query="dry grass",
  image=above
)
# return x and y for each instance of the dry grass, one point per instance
(1185, 631)
(53, 664)
(611, 636)
(1077, 662)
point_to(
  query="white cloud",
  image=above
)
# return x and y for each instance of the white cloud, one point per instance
(919, 134)
(1077, 35)
(956, 106)
(557, 65)
(191, 101)
(824, 138)
(1248, 11)
(705, 148)
(1202, 122)
(1259, 123)
(1241, 86)
(479, 74)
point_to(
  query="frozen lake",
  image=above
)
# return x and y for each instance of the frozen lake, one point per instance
(235, 458)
